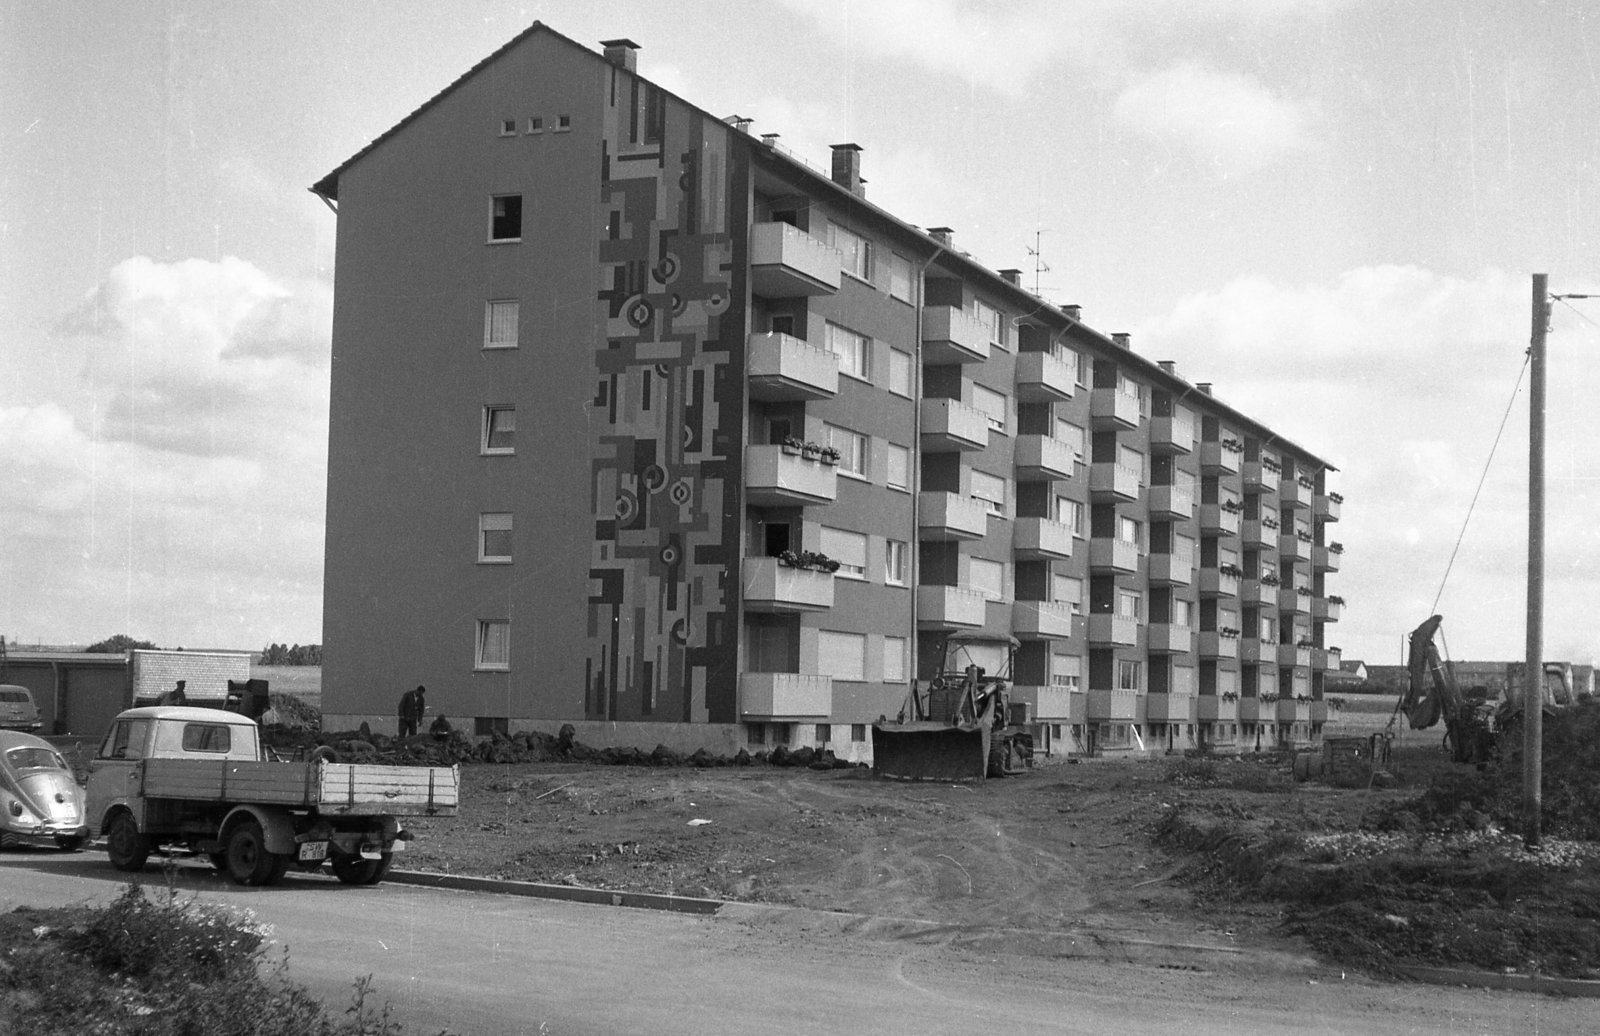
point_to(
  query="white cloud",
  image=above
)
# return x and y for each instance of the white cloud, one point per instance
(1225, 119)
(1401, 376)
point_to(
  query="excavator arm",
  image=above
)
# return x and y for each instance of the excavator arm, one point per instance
(1432, 694)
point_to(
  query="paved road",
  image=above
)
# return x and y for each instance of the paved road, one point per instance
(483, 964)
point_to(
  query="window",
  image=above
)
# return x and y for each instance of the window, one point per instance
(1269, 629)
(991, 490)
(563, 123)
(824, 733)
(1182, 612)
(508, 127)
(842, 656)
(894, 562)
(1127, 675)
(854, 351)
(757, 733)
(505, 218)
(1085, 370)
(1066, 671)
(855, 251)
(1133, 460)
(900, 277)
(993, 319)
(1070, 514)
(899, 372)
(1070, 434)
(207, 737)
(993, 404)
(535, 125)
(494, 645)
(500, 324)
(1130, 604)
(988, 578)
(898, 475)
(1067, 590)
(494, 539)
(1130, 531)
(853, 450)
(499, 429)
(849, 549)
(858, 732)
(894, 660)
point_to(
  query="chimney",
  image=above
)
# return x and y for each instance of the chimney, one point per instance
(1012, 277)
(739, 122)
(1169, 366)
(622, 53)
(1072, 310)
(847, 168)
(941, 235)
(1203, 386)
(1122, 339)
(770, 139)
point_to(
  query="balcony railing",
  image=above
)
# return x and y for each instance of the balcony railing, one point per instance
(776, 476)
(1043, 620)
(950, 426)
(1326, 609)
(1172, 434)
(1113, 631)
(1041, 378)
(1170, 708)
(1171, 569)
(950, 516)
(1292, 546)
(1326, 559)
(1163, 638)
(1292, 600)
(1110, 553)
(1221, 458)
(1259, 534)
(1172, 502)
(1218, 645)
(1109, 480)
(786, 263)
(950, 608)
(952, 335)
(1041, 458)
(1328, 506)
(1335, 656)
(771, 586)
(784, 696)
(1254, 591)
(1214, 582)
(1294, 654)
(783, 367)
(1034, 539)
(1214, 708)
(1291, 711)
(1052, 703)
(1109, 705)
(1294, 493)
(1254, 650)
(1112, 407)
(1217, 520)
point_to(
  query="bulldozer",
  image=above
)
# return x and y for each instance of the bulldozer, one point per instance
(957, 726)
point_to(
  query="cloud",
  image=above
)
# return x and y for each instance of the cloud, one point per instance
(1401, 377)
(1225, 119)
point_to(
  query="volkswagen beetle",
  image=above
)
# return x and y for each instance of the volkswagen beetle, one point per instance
(40, 801)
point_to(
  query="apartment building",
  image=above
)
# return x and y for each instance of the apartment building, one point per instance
(642, 424)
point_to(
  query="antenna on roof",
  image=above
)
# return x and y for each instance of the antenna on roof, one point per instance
(1037, 254)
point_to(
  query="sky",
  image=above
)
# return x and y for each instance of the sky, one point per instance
(1329, 209)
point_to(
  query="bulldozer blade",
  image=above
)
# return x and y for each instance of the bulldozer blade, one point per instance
(930, 751)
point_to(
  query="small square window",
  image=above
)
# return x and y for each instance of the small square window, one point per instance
(535, 125)
(494, 539)
(824, 733)
(858, 732)
(500, 324)
(494, 645)
(505, 217)
(508, 127)
(499, 430)
(563, 123)
(757, 733)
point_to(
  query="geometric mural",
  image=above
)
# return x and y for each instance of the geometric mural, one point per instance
(665, 438)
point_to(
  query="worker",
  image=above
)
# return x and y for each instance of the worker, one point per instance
(440, 728)
(412, 708)
(174, 696)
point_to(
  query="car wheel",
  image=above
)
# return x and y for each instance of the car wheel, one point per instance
(127, 848)
(356, 870)
(249, 860)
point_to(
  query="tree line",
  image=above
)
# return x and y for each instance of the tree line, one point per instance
(299, 654)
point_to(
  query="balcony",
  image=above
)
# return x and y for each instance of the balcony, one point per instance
(1334, 657)
(1266, 676)
(1218, 458)
(1254, 650)
(951, 335)
(1109, 705)
(1169, 708)
(1292, 546)
(950, 516)
(1041, 378)
(1217, 520)
(776, 477)
(1294, 654)
(1171, 569)
(771, 586)
(1259, 534)
(1319, 712)
(785, 696)
(1035, 539)
(1214, 582)
(1291, 711)
(1042, 620)
(1112, 631)
(950, 426)
(1219, 646)
(1163, 638)
(1051, 703)
(783, 367)
(950, 608)
(788, 263)
(1110, 553)
(1254, 710)
(1213, 708)
(1260, 477)
(1171, 434)
(1326, 559)
(1294, 599)
(1109, 480)
(1254, 591)
(1040, 458)
(1175, 502)
(1328, 506)
(1294, 493)
(1114, 408)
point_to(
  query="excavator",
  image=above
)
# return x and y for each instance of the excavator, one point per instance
(955, 727)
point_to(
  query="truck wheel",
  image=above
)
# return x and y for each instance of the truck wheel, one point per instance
(249, 860)
(127, 848)
(355, 870)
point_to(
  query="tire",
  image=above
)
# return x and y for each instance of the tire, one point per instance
(324, 754)
(249, 860)
(127, 848)
(355, 870)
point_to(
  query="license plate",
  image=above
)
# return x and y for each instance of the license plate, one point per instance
(313, 851)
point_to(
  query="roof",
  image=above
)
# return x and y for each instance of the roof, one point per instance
(10, 739)
(187, 712)
(105, 658)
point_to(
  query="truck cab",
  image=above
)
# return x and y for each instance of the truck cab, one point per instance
(162, 732)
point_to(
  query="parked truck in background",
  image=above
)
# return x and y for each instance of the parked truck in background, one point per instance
(197, 779)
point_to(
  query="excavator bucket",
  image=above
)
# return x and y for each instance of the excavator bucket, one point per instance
(928, 751)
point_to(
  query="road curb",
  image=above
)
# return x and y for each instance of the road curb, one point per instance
(1497, 980)
(568, 893)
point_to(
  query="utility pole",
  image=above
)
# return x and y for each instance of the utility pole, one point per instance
(1533, 676)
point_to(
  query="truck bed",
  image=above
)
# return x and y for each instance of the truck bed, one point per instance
(335, 788)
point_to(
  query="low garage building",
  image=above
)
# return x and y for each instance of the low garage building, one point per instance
(77, 692)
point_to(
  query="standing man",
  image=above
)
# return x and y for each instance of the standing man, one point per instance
(412, 707)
